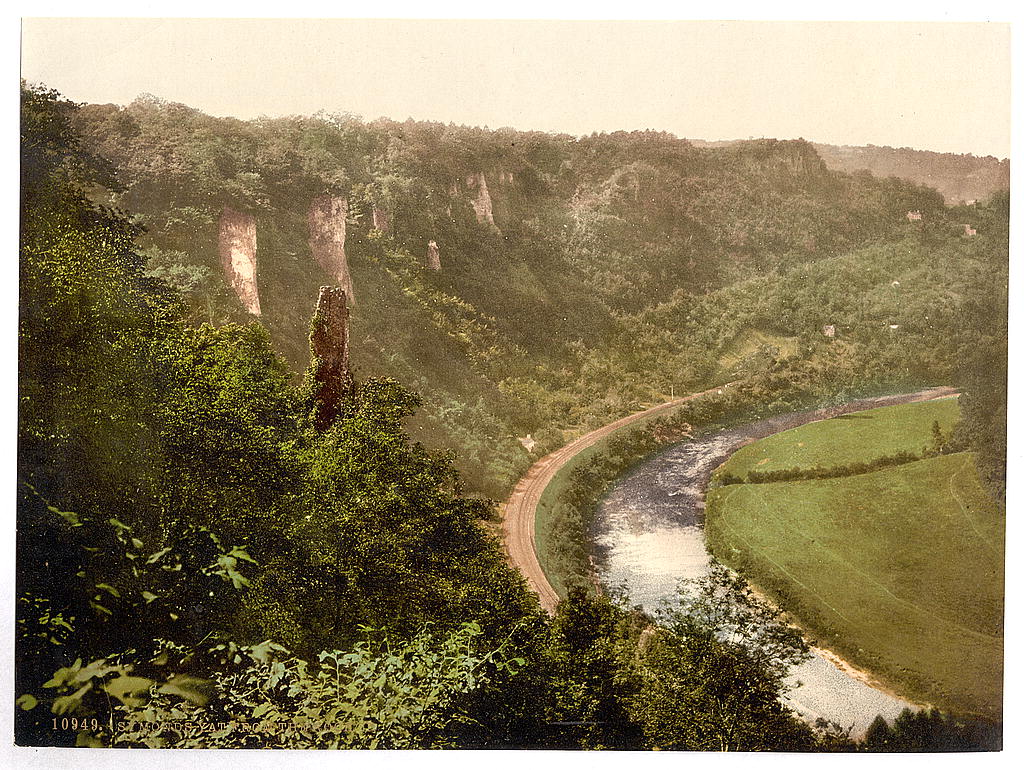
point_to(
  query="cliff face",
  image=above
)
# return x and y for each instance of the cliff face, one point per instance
(433, 256)
(328, 343)
(482, 202)
(237, 247)
(381, 220)
(327, 215)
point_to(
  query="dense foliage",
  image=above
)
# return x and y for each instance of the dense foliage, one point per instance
(195, 549)
(171, 485)
(960, 178)
(546, 322)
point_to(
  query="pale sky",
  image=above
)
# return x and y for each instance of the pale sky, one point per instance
(934, 86)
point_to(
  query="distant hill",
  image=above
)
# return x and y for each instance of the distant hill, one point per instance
(959, 178)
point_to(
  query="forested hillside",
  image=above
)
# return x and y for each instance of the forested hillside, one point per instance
(960, 178)
(208, 556)
(506, 276)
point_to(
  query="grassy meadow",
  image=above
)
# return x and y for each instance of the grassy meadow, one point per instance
(899, 570)
(858, 437)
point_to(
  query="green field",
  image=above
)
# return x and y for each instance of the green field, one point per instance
(900, 570)
(861, 436)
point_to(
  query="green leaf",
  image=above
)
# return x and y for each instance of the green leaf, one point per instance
(68, 703)
(125, 689)
(26, 702)
(197, 691)
(70, 516)
(158, 555)
(64, 675)
(239, 553)
(260, 710)
(88, 740)
(109, 589)
(149, 596)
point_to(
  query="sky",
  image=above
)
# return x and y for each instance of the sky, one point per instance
(933, 85)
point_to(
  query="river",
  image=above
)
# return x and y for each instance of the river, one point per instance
(648, 535)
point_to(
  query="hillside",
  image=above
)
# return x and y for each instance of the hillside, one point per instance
(507, 276)
(229, 539)
(960, 178)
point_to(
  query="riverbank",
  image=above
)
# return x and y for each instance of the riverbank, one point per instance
(872, 565)
(648, 535)
(524, 540)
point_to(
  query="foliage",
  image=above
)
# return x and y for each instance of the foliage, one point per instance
(960, 178)
(145, 443)
(982, 352)
(553, 322)
(930, 730)
(683, 684)
(158, 424)
(410, 695)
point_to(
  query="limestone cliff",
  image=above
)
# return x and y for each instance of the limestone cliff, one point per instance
(433, 256)
(327, 214)
(237, 247)
(482, 202)
(381, 219)
(330, 375)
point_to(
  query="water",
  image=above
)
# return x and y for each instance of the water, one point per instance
(648, 535)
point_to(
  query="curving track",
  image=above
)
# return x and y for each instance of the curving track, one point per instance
(519, 521)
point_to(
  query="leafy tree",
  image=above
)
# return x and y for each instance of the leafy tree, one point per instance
(376, 695)
(590, 637)
(929, 730)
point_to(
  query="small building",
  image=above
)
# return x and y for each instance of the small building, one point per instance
(913, 216)
(969, 231)
(829, 330)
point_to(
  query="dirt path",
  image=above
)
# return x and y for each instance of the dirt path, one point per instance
(519, 520)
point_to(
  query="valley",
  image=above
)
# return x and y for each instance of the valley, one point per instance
(651, 530)
(274, 375)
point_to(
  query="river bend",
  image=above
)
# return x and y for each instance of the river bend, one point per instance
(648, 534)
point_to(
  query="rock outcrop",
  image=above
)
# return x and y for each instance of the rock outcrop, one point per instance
(482, 204)
(237, 246)
(330, 375)
(381, 219)
(433, 256)
(327, 215)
